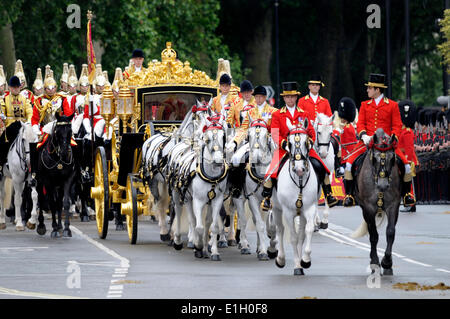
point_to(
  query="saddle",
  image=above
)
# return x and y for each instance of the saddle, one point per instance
(357, 164)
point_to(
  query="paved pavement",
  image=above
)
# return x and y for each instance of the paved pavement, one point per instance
(85, 266)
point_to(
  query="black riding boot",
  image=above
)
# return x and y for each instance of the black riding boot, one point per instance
(349, 185)
(408, 198)
(266, 205)
(33, 163)
(328, 194)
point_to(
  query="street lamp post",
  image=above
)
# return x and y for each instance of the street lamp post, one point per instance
(388, 48)
(277, 57)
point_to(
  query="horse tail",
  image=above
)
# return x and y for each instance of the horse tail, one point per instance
(7, 201)
(363, 229)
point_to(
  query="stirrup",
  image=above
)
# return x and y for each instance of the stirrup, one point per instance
(263, 205)
(346, 203)
(408, 200)
(331, 200)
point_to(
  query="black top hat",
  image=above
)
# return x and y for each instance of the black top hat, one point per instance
(290, 88)
(347, 109)
(138, 53)
(316, 79)
(377, 80)
(14, 82)
(422, 117)
(225, 79)
(246, 86)
(408, 112)
(261, 90)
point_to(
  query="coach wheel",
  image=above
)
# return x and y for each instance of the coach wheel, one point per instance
(130, 209)
(100, 192)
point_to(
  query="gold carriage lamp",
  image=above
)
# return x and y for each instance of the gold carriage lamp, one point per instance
(125, 105)
(107, 106)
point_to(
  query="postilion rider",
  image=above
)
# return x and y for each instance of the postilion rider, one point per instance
(262, 111)
(15, 108)
(280, 131)
(378, 112)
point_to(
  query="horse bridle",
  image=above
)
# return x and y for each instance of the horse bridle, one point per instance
(298, 156)
(60, 161)
(323, 144)
(259, 123)
(382, 171)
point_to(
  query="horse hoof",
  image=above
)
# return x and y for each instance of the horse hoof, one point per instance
(232, 243)
(245, 251)
(222, 244)
(67, 233)
(20, 228)
(170, 243)
(305, 264)
(190, 245)
(278, 264)
(178, 246)
(55, 234)
(323, 225)
(198, 253)
(273, 254)
(3, 226)
(84, 219)
(120, 227)
(263, 257)
(298, 272)
(164, 237)
(215, 258)
(41, 230)
(388, 272)
(31, 226)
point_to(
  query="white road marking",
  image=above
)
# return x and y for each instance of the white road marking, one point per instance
(19, 293)
(118, 272)
(124, 262)
(334, 232)
(443, 270)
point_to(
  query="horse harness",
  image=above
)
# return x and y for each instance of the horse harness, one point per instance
(59, 164)
(297, 156)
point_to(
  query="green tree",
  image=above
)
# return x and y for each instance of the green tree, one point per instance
(41, 34)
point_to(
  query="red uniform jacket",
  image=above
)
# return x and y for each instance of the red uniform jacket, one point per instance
(386, 116)
(406, 144)
(41, 102)
(348, 136)
(280, 131)
(321, 106)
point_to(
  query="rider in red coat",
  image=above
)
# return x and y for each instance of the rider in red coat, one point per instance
(378, 112)
(347, 114)
(408, 113)
(280, 131)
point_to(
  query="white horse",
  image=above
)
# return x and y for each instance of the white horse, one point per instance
(323, 126)
(260, 147)
(295, 199)
(18, 160)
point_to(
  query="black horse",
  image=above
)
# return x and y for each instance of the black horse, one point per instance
(378, 192)
(56, 173)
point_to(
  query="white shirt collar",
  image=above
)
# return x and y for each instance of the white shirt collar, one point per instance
(291, 110)
(223, 98)
(260, 107)
(138, 69)
(314, 97)
(378, 99)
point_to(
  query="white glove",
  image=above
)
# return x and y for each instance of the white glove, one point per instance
(2, 116)
(366, 139)
(36, 129)
(230, 147)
